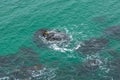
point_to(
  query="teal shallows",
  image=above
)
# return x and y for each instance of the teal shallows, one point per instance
(84, 19)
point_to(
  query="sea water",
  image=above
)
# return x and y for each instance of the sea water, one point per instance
(81, 19)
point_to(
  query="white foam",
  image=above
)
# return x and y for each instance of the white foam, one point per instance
(57, 48)
(77, 47)
(4, 78)
(45, 73)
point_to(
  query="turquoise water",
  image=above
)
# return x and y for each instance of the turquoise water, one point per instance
(82, 19)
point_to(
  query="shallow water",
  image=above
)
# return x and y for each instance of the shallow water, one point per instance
(81, 19)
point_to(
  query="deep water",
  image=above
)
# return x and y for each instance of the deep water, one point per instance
(82, 20)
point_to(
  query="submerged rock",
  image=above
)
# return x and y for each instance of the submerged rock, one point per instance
(113, 32)
(23, 65)
(19, 74)
(92, 65)
(27, 56)
(24, 57)
(25, 73)
(99, 19)
(88, 69)
(93, 45)
(45, 37)
(114, 53)
(114, 71)
(113, 65)
(95, 68)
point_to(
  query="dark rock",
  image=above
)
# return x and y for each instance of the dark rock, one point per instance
(89, 68)
(37, 39)
(19, 74)
(99, 19)
(113, 32)
(92, 65)
(82, 71)
(93, 45)
(23, 65)
(114, 53)
(114, 67)
(6, 60)
(23, 73)
(26, 73)
(45, 37)
(24, 57)
(85, 70)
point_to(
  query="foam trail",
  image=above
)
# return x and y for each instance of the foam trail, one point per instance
(57, 48)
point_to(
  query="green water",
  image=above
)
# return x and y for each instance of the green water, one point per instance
(84, 19)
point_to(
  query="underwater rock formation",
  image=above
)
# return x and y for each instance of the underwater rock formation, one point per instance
(24, 57)
(45, 38)
(27, 56)
(25, 73)
(114, 53)
(113, 32)
(113, 65)
(23, 65)
(99, 19)
(88, 68)
(114, 71)
(92, 65)
(93, 45)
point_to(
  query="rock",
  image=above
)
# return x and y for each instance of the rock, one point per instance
(23, 65)
(93, 45)
(99, 19)
(114, 53)
(114, 67)
(24, 57)
(113, 32)
(45, 37)
(26, 73)
(92, 65)
(19, 74)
